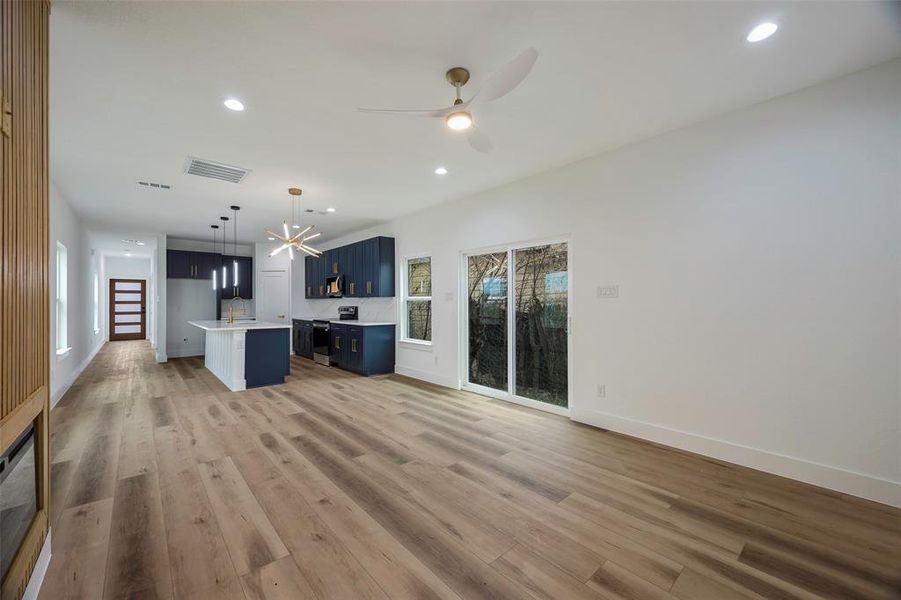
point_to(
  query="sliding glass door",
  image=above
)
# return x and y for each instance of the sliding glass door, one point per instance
(516, 329)
(488, 332)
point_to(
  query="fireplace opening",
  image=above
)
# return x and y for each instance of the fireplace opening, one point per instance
(18, 496)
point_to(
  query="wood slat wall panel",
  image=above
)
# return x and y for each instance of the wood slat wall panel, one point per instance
(24, 301)
(24, 255)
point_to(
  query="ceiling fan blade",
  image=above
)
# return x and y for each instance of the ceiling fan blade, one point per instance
(504, 80)
(437, 113)
(478, 140)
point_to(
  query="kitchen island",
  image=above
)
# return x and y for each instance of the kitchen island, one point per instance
(247, 354)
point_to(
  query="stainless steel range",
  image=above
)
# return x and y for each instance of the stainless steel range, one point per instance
(321, 333)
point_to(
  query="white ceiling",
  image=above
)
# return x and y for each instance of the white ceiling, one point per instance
(136, 87)
(112, 243)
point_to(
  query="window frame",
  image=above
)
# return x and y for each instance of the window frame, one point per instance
(61, 301)
(96, 304)
(405, 297)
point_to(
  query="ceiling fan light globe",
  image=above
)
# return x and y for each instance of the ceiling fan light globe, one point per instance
(459, 121)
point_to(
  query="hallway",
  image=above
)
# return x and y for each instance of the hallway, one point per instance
(334, 486)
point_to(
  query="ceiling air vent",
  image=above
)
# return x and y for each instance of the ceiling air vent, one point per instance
(153, 184)
(214, 170)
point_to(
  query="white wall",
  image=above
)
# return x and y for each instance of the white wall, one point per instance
(758, 259)
(127, 268)
(188, 300)
(83, 262)
(159, 294)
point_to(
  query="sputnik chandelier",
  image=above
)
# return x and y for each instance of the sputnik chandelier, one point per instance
(299, 240)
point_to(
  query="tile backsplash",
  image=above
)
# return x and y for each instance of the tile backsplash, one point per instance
(371, 309)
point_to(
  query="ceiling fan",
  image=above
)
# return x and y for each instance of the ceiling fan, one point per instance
(459, 116)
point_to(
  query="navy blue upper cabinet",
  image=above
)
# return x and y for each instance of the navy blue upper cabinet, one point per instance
(314, 276)
(378, 267)
(354, 273)
(187, 264)
(178, 265)
(366, 269)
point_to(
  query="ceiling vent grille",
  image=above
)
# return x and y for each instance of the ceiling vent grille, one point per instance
(153, 184)
(215, 170)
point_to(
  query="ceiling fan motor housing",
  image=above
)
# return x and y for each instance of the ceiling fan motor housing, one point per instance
(457, 76)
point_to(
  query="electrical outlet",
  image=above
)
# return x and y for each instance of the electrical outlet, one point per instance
(602, 390)
(608, 291)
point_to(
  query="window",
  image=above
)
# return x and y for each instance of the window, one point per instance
(62, 293)
(96, 304)
(417, 300)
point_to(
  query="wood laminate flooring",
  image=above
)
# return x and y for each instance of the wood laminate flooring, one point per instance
(167, 485)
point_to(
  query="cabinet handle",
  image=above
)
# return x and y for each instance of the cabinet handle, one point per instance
(335, 268)
(309, 290)
(320, 290)
(337, 342)
(368, 287)
(353, 345)
(351, 287)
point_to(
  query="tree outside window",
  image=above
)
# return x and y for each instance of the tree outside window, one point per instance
(418, 299)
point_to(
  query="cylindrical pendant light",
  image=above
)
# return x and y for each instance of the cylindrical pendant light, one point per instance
(224, 268)
(215, 271)
(235, 210)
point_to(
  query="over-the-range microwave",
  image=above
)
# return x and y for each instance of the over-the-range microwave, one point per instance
(334, 286)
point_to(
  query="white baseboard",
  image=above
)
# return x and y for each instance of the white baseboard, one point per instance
(57, 395)
(834, 478)
(183, 352)
(40, 570)
(426, 376)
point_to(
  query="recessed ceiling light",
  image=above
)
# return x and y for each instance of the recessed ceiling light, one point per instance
(295, 226)
(440, 171)
(762, 32)
(330, 209)
(271, 239)
(234, 104)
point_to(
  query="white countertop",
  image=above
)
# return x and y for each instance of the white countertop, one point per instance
(347, 321)
(237, 325)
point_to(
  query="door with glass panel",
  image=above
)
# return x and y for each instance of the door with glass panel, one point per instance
(127, 309)
(516, 329)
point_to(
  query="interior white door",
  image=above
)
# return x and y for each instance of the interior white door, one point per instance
(274, 297)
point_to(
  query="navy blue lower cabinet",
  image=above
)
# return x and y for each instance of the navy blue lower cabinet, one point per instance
(368, 350)
(303, 338)
(267, 356)
(337, 344)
